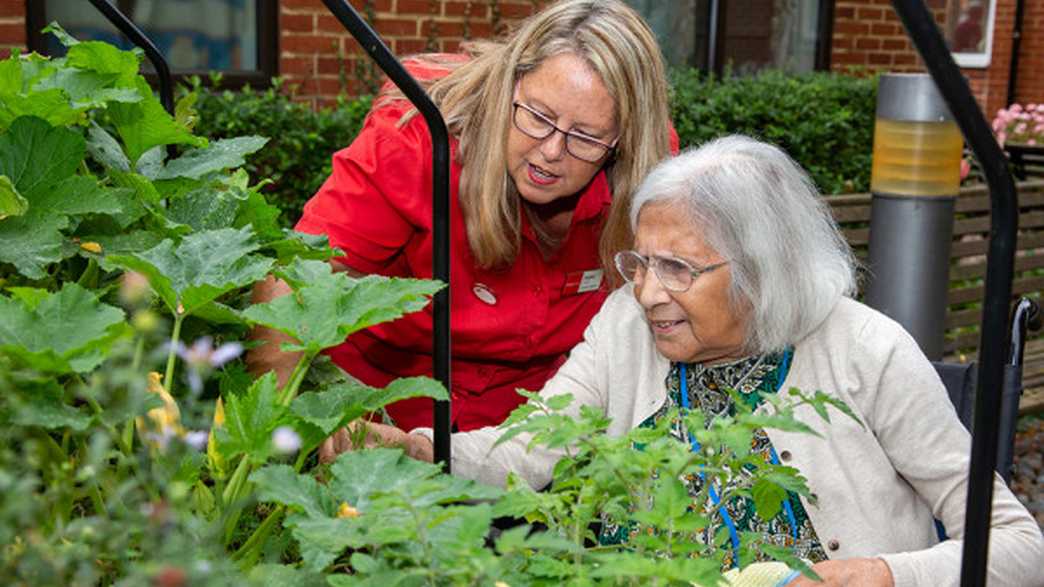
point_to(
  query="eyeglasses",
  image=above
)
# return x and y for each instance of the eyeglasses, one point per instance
(675, 274)
(537, 126)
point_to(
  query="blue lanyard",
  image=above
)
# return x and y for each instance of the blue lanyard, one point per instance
(733, 534)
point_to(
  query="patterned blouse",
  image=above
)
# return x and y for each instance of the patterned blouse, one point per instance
(707, 384)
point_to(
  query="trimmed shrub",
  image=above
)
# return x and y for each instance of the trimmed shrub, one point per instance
(824, 121)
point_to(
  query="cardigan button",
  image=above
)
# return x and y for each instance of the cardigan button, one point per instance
(833, 544)
(785, 456)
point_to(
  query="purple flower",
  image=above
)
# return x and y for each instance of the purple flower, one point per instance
(201, 357)
(285, 440)
(197, 439)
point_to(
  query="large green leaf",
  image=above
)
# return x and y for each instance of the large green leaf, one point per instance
(105, 150)
(31, 242)
(281, 484)
(37, 156)
(207, 208)
(103, 58)
(203, 267)
(219, 155)
(40, 403)
(51, 106)
(272, 575)
(250, 419)
(322, 314)
(146, 124)
(11, 202)
(66, 331)
(337, 405)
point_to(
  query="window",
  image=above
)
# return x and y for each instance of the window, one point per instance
(235, 37)
(742, 35)
(969, 31)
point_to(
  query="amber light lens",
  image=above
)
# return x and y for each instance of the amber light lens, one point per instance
(916, 158)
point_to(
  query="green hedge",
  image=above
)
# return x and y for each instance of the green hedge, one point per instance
(825, 121)
(297, 158)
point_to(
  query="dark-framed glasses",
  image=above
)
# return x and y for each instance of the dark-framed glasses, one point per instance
(537, 126)
(675, 274)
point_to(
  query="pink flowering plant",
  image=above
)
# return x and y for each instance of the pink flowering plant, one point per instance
(1020, 124)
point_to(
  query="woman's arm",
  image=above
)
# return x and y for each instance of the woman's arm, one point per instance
(917, 427)
(268, 356)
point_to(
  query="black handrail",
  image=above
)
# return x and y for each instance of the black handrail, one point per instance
(373, 45)
(132, 32)
(1000, 260)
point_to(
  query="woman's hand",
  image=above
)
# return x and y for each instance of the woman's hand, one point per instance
(376, 435)
(853, 572)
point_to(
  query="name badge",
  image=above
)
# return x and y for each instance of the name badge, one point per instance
(579, 282)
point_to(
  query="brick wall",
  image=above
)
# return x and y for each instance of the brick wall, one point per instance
(868, 37)
(1029, 86)
(12, 26)
(321, 59)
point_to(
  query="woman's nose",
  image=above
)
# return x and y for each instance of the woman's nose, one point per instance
(649, 290)
(553, 147)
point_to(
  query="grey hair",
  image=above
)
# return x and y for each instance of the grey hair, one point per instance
(758, 209)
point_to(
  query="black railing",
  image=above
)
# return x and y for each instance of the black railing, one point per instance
(1000, 260)
(376, 49)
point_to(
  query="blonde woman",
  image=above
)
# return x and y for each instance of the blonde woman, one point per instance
(551, 131)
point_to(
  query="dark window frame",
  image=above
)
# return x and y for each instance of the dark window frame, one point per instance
(715, 38)
(267, 43)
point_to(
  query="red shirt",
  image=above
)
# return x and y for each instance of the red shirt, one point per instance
(510, 328)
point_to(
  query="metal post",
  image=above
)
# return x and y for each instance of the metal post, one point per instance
(380, 53)
(915, 181)
(1000, 264)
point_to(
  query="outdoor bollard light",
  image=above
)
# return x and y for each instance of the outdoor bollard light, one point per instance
(915, 181)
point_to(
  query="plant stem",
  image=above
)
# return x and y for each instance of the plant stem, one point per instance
(296, 378)
(250, 551)
(233, 492)
(172, 353)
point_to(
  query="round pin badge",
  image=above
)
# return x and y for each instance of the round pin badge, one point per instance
(483, 293)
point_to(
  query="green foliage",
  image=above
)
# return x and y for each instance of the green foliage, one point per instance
(825, 121)
(297, 159)
(121, 234)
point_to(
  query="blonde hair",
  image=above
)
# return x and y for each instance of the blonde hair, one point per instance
(476, 101)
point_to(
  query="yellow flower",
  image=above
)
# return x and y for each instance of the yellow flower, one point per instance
(217, 462)
(501, 584)
(347, 511)
(91, 247)
(166, 420)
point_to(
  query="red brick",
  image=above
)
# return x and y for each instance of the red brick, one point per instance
(905, 59)
(451, 45)
(515, 9)
(410, 46)
(849, 58)
(302, 66)
(417, 7)
(12, 34)
(378, 5)
(461, 9)
(309, 44)
(315, 5)
(852, 28)
(445, 29)
(844, 12)
(895, 45)
(12, 8)
(297, 23)
(396, 27)
(885, 29)
(868, 43)
(480, 30)
(879, 59)
(865, 14)
(329, 65)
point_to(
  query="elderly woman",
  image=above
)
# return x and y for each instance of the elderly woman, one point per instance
(740, 279)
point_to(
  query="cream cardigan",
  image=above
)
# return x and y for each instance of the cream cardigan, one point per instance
(877, 487)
